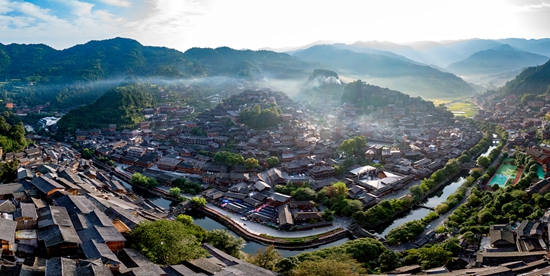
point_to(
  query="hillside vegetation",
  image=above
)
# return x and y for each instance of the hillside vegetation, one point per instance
(122, 105)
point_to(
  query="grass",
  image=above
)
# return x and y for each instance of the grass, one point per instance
(463, 108)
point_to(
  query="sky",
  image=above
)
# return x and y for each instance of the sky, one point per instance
(254, 24)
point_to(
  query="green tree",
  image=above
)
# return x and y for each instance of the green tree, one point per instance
(87, 153)
(337, 189)
(273, 161)
(185, 219)
(251, 162)
(166, 242)
(441, 209)
(8, 171)
(304, 193)
(198, 201)
(266, 258)
(225, 242)
(144, 181)
(175, 191)
(328, 267)
(483, 161)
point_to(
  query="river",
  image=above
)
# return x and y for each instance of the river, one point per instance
(250, 247)
(437, 197)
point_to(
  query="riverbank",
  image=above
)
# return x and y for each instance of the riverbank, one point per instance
(257, 232)
(278, 242)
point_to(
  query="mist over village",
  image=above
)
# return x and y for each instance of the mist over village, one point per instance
(293, 138)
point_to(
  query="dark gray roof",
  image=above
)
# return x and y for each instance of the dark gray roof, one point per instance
(80, 222)
(45, 185)
(53, 215)
(75, 204)
(67, 184)
(133, 258)
(101, 234)
(11, 188)
(98, 218)
(123, 215)
(148, 270)
(71, 267)
(180, 270)
(6, 206)
(93, 249)
(58, 234)
(60, 267)
(72, 177)
(7, 230)
(27, 210)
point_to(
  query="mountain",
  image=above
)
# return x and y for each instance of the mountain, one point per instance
(498, 60)
(533, 80)
(95, 60)
(122, 105)
(537, 46)
(80, 74)
(398, 49)
(322, 84)
(257, 64)
(414, 79)
(121, 57)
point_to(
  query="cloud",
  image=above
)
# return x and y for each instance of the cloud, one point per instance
(117, 3)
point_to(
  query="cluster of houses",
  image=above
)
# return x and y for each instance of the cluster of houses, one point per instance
(71, 218)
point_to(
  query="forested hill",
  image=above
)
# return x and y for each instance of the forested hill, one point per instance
(95, 60)
(249, 64)
(122, 105)
(369, 96)
(533, 80)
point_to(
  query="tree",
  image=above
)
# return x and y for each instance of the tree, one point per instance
(305, 193)
(198, 201)
(337, 189)
(8, 171)
(273, 161)
(87, 153)
(175, 191)
(144, 181)
(484, 161)
(441, 209)
(328, 267)
(166, 242)
(185, 219)
(251, 162)
(388, 260)
(224, 241)
(266, 258)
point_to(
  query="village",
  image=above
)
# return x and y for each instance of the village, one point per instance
(63, 203)
(67, 205)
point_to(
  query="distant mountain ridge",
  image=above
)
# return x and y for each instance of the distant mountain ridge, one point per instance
(498, 60)
(121, 57)
(409, 77)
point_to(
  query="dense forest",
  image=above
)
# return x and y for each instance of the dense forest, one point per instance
(258, 118)
(533, 80)
(122, 105)
(364, 95)
(12, 132)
